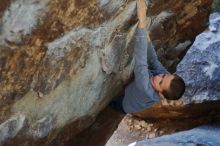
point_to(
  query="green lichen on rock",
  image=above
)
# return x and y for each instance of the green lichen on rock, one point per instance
(216, 6)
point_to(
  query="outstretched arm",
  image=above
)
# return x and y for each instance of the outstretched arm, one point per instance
(152, 60)
(140, 49)
(154, 63)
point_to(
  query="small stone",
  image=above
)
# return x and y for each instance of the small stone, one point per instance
(161, 132)
(138, 127)
(38, 42)
(144, 124)
(152, 135)
(40, 95)
(148, 128)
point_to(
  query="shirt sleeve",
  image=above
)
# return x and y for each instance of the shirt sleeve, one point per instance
(153, 62)
(140, 56)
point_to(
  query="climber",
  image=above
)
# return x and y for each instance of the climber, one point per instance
(151, 80)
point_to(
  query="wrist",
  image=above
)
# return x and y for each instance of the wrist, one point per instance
(142, 24)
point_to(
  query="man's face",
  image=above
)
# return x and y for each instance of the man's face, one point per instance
(162, 82)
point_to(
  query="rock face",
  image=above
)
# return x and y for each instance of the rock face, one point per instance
(133, 129)
(62, 61)
(205, 135)
(200, 68)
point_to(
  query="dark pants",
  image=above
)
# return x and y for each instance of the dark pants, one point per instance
(117, 104)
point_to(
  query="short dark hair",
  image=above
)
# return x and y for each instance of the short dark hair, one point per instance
(176, 90)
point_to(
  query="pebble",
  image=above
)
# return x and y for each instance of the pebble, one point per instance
(130, 121)
(161, 132)
(144, 124)
(138, 127)
(151, 135)
(148, 128)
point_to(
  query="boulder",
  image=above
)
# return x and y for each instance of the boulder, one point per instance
(200, 68)
(204, 135)
(62, 61)
(199, 105)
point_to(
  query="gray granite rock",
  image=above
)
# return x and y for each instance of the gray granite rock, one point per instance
(200, 68)
(201, 136)
(62, 61)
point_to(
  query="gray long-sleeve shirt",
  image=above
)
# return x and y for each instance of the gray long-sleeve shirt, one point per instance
(140, 94)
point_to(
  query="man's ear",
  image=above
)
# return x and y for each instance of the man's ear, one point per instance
(161, 95)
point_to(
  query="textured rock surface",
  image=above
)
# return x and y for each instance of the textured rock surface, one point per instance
(61, 62)
(200, 68)
(206, 135)
(132, 129)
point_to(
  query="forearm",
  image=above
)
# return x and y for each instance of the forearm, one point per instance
(145, 49)
(141, 13)
(140, 47)
(140, 56)
(154, 63)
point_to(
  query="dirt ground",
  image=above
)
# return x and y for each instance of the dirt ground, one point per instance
(132, 129)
